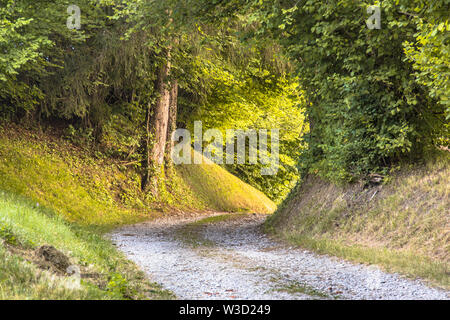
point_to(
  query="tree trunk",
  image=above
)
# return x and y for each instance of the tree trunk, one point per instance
(172, 124)
(156, 131)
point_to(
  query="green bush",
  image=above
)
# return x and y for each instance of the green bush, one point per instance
(366, 109)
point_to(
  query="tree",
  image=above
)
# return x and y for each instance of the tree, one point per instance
(429, 50)
(155, 20)
(35, 45)
(366, 110)
(157, 127)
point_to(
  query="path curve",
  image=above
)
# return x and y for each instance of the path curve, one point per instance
(233, 259)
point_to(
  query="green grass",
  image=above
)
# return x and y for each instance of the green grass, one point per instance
(92, 190)
(293, 287)
(401, 226)
(222, 191)
(55, 193)
(27, 226)
(77, 186)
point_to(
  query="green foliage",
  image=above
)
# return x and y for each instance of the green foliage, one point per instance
(17, 46)
(34, 42)
(430, 54)
(7, 235)
(252, 100)
(121, 138)
(117, 284)
(81, 136)
(371, 97)
(365, 108)
(84, 189)
(230, 84)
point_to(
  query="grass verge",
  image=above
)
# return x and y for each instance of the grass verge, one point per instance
(409, 264)
(89, 189)
(25, 226)
(294, 287)
(53, 192)
(402, 226)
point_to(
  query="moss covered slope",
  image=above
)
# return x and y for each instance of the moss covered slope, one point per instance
(54, 193)
(222, 191)
(94, 190)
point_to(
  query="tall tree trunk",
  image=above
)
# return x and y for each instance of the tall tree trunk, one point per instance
(156, 130)
(172, 124)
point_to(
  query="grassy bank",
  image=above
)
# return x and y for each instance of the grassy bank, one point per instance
(88, 188)
(105, 273)
(402, 225)
(223, 191)
(55, 193)
(79, 185)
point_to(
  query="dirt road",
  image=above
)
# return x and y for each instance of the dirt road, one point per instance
(230, 258)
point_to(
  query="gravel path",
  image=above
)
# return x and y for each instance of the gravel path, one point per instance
(232, 259)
